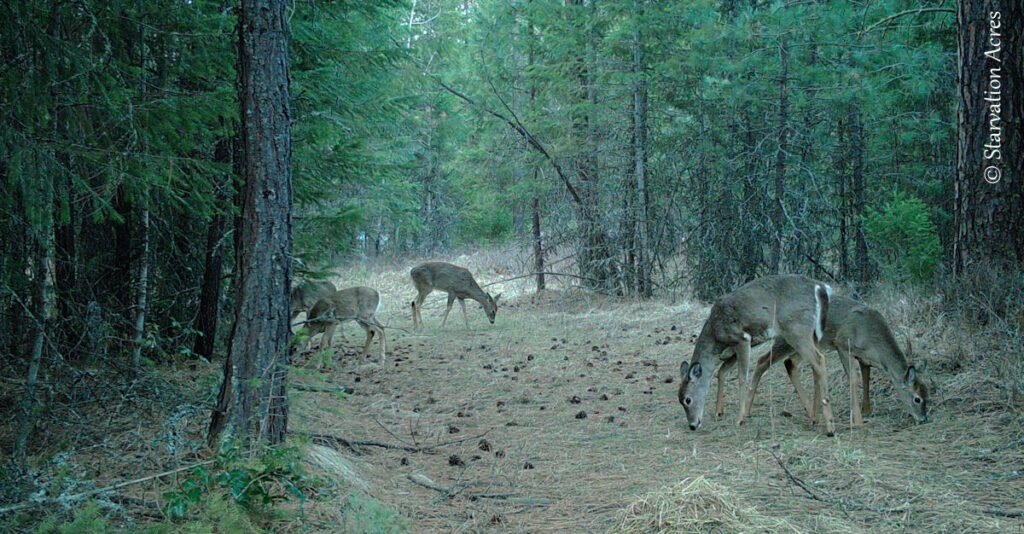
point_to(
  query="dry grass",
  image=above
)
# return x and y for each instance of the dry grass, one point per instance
(563, 417)
(694, 506)
(526, 383)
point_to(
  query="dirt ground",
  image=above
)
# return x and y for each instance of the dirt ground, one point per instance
(563, 414)
(563, 417)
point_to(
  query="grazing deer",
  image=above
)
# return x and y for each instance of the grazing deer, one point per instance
(792, 307)
(305, 294)
(357, 304)
(457, 282)
(854, 331)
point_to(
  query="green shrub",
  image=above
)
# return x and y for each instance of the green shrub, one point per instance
(367, 516)
(255, 484)
(904, 239)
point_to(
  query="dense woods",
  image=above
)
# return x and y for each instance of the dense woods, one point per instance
(169, 167)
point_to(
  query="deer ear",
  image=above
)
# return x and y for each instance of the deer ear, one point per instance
(911, 375)
(683, 368)
(695, 371)
(496, 297)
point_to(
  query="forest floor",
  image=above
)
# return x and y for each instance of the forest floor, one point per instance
(563, 417)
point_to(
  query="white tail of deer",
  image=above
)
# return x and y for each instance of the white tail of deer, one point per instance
(791, 307)
(454, 280)
(358, 304)
(305, 294)
(855, 332)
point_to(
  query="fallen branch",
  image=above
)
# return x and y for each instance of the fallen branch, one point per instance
(328, 439)
(422, 480)
(322, 389)
(831, 500)
(64, 499)
(545, 274)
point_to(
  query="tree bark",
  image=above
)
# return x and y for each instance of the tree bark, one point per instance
(252, 405)
(538, 244)
(43, 306)
(988, 203)
(142, 290)
(780, 157)
(209, 298)
(643, 248)
(861, 262)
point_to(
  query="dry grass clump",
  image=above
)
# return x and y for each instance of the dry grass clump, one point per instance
(695, 505)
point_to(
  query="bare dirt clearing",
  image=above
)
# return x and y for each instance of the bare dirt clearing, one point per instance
(564, 413)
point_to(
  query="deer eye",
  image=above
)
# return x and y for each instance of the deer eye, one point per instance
(687, 401)
(917, 400)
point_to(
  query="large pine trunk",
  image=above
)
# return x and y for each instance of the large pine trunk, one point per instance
(252, 405)
(988, 197)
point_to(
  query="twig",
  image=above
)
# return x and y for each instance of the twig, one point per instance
(544, 273)
(80, 496)
(999, 512)
(469, 438)
(322, 389)
(918, 11)
(329, 439)
(422, 480)
(388, 430)
(831, 500)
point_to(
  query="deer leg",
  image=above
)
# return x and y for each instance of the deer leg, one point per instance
(417, 308)
(792, 364)
(763, 364)
(810, 351)
(846, 358)
(383, 341)
(865, 372)
(369, 339)
(720, 398)
(451, 300)
(328, 334)
(742, 350)
(465, 318)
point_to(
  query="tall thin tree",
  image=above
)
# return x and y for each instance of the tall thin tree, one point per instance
(252, 406)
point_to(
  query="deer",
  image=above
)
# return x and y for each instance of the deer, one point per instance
(457, 281)
(358, 304)
(305, 294)
(791, 307)
(855, 332)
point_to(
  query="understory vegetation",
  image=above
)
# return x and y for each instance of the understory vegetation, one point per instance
(172, 169)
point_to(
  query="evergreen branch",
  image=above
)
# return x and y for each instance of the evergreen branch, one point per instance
(917, 11)
(521, 129)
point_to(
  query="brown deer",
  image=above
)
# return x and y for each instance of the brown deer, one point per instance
(792, 307)
(454, 280)
(305, 294)
(856, 332)
(358, 304)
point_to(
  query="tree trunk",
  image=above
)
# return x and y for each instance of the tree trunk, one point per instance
(42, 306)
(780, 158)
(142, 289)
(596, 261)
(861, 262)
(538, 244)
(643, 252)
(252, 405)
(988, 203)
(209, 298)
